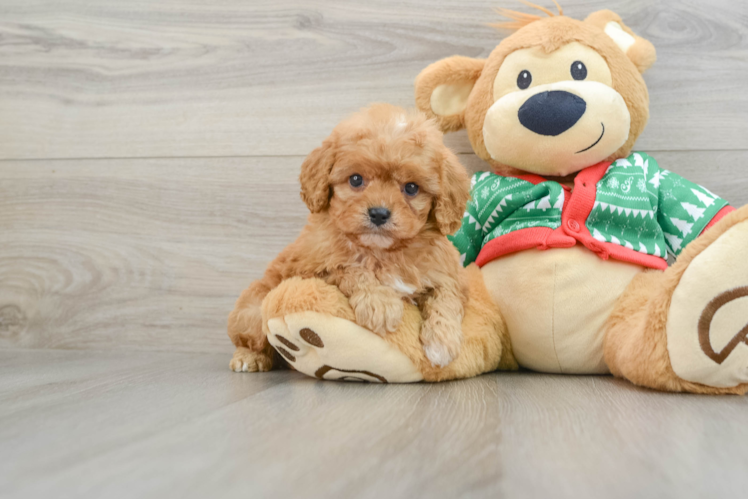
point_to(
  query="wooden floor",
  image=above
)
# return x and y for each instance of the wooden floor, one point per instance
(149, 154)
(145, 424)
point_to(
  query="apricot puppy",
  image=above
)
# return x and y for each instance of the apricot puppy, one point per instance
(383, 192)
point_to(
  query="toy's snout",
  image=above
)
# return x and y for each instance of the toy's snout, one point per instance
(558, 129)
(552, 112)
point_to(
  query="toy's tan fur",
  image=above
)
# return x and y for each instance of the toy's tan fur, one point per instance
(374, 268)
(550, 34)
(636, 339)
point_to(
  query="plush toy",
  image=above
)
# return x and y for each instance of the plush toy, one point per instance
(571, 229)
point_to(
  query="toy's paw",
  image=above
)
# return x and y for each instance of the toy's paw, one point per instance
(332, 348)
(707, 328)
(245, 360)
(379, 312)
(441, 339)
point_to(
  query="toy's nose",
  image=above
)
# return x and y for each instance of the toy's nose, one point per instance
(379, 215)
(551, 113)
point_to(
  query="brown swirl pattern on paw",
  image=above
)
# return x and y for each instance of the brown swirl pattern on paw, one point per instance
(287, 343)
(320, 374)
(705, 322)
(286, 354)
(311, 337)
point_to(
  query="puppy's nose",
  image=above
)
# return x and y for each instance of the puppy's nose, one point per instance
(379, 215)
(551, 113)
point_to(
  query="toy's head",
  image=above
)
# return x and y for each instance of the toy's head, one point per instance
(556, 96)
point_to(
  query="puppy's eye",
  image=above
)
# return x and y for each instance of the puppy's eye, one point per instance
(524, 79)
(356, 180)
(578, 70)
(411, 189)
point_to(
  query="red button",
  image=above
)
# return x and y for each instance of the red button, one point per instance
(573, 225)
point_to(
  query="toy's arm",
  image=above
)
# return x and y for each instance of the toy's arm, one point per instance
(469, 238)
(684, 209)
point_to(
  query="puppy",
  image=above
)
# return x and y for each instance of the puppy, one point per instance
(383, 192)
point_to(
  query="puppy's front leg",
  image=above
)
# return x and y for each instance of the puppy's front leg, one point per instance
(441, 333)
(377, 307)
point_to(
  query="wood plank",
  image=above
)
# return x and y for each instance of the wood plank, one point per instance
(228, 77)
(152, 254)
(135, 424)
(179, 425)
(143, 254)
(587, 437)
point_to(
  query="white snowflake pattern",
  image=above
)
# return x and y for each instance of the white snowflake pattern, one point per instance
(484, 193)
(641, 185)
(613, 183)
(668, 195)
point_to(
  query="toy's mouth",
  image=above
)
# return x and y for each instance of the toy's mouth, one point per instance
(594, 143)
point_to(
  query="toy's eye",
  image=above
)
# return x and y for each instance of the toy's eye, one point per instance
(411, 189)
(578, 70)
(356, 180)
(524, 79)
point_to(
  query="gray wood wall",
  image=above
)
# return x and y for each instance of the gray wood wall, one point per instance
(149, 150)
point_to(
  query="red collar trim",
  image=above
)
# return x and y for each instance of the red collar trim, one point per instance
(591, 175)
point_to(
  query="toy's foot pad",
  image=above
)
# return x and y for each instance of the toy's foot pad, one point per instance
(707, 328)
(332, 348)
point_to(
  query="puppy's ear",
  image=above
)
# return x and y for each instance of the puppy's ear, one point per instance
(641, 52)
(315, 177)
(443, 88)
(454, 193)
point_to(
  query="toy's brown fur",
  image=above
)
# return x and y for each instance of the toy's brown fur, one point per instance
(635, 344)
(374, 267)
(636, 341)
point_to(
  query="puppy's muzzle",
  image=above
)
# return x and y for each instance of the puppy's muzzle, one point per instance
(379, 215)
(552, 112)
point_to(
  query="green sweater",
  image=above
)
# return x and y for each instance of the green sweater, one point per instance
(630, 210)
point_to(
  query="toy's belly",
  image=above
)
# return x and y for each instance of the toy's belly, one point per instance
(556, 303)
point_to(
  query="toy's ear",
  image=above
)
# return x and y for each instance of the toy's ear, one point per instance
(315, 177)
(640, 51)
(443, 88)
(454, 193)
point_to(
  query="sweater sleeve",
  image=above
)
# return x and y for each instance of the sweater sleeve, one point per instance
(469, 238)
(684, 209)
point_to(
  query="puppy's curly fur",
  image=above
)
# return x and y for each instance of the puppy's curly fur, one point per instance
(376, 266)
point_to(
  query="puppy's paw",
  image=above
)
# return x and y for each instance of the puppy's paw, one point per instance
(245, 360)
(437, 354)
(442, 340)
(379, 312)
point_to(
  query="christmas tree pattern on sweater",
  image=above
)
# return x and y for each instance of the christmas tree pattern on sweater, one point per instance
(637, 206)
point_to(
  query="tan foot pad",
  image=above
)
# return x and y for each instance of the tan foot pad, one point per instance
(331, 348)
(707, 326)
